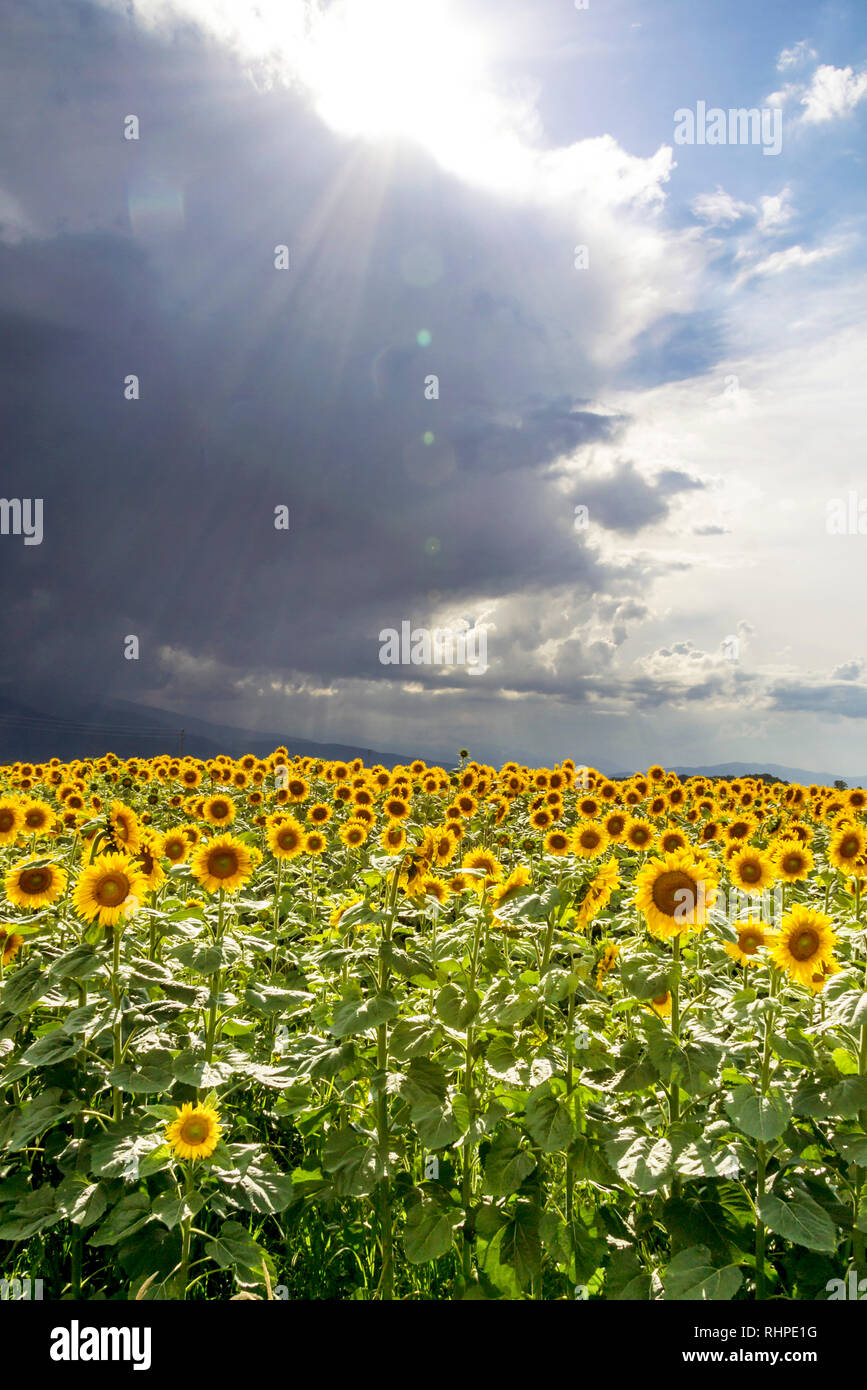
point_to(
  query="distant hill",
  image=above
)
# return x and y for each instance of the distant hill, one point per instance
(778, 770)
(31, 731)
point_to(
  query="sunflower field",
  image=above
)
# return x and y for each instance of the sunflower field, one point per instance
(280, 1028)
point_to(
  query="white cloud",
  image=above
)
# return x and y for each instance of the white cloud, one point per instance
(833, 93)
(776, 211)
(793, 258)
(720, 209)
(796, 56)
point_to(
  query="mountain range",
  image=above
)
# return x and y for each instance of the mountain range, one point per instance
(31, 729)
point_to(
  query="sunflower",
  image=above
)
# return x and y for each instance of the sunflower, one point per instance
(615, 825)
(195, 1132)
(460, 883)
(752, 937)
(542, 818)
(176, 846)
(286, 838)
(828, 967)
(148, 858)
(589, 839)
(219, 810)
(109, 890)
(482, 859)
(674, 893)
(319, 813)
(125, 826)
(10, 945)
(432, 887)
(338, 911)
(793, 861)
(222, 863)
(738, 831)
(599, 891)
(11, 820)
(848, 844)
(557, 842)
(519, 878)
(38, 817)
(393, 838)
(639, 834)
(670, 841)
(353, 833)
(314, 842)
(661, 1004)
(804, 944)
(35, 883)
(607, 961)
(751, 870)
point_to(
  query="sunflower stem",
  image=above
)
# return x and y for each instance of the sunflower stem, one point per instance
(385, 1287)
(117, 1049)
(186, 1234)
(215, 986)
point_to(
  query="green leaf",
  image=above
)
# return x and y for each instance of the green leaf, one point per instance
(643, 1160)
(702, 1159)
(548, 1120)
(588, 1161)
(520, 1242)
(692, 1221)
(172, 1208)
(37, 1116)
(270, 1001)
(23, 987)
(506, 1164)
(429, 1231)
(645, 975)
(153, 1073)
(413, 1037)
(119, 1152)
(801, 1220)
(131, 1214)
(53, 1048)
(192, 1068)
(853, 1148)
(353, 1161)
(236, 1249)
(359, 1015)
(81, 1201)
(263, 1188)
(409, 964)
(457, 1008)
(435, 1122)
(692, 1275)
(35, 1213)
(761, 1117)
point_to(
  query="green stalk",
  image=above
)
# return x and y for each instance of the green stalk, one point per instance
(386, 1239)
(215, 987)
(186, 1234)
(857, 1235)
(117, 1050)
(762, 1155)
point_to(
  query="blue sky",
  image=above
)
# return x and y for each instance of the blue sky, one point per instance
(698, 386)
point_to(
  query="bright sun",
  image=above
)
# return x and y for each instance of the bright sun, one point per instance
(387, 69)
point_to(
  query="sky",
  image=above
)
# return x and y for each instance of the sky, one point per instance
(531, 363)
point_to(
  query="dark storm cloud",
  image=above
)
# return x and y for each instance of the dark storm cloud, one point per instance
(827, 698)
(261, 387)
(626, 502)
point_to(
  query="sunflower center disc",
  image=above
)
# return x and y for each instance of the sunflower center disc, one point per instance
(668, 891)
(804, 945)
(113, 889)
